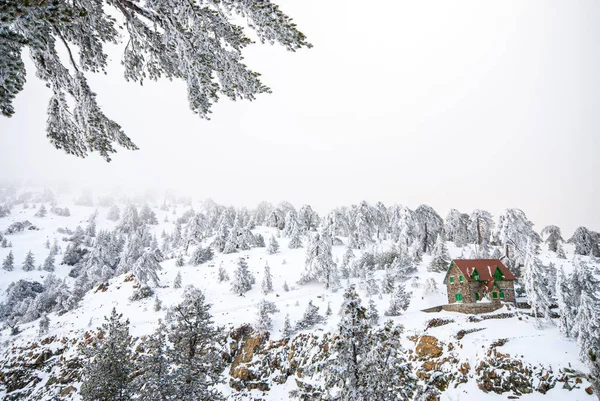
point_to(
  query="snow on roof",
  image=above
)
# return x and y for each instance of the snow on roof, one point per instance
(485, 268)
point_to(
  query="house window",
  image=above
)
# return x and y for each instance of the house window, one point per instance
(501, 294)
(458, 297)
(451, 280)
(495, 295)
(461, 278)
(476, 296)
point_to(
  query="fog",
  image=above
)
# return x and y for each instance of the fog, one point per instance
(460, 105)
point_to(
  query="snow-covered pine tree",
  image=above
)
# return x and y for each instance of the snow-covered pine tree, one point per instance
(264, 312)
(108, 365)
(388, 281)
(180, 261)
(273, 247)
(370, 285)
(373, 313)
(267, 281)
(538, 294)
(319, 262)
(431, 286)
(429, 225)
(196, 348)
(147, 215)
(585, 242)
(310, 318)
(44, 325)
(587, 323)
(481, 227)
(456, 228)
(49, 263)
(153, 379)
(130, 222)
(295, 240)
(222, 276)
(41, 211)
(440, 256)
(47, 244)
(113, 213)
(9, 262)
(560, 251)
(565, 303)
(286, 287)
(157, 304)
(177, 280)
(201, 255)
(399, 302)
(242, 278)
(29, 263)
(515, 232)
(552, 236)
(287, 330)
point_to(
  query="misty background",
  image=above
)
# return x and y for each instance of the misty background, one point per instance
(462, 105)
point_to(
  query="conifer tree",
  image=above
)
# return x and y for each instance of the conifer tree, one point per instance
(328, 312)
(264, 312)
(108, 368)
(286, 287)
(196, 348)
(9, 262)
(587, 323)
(47, 243)
(287, 330)
(177, 281)
(41, 211)
(441, 257)
(44, 325)
(399, 302)
(29, 263)
(113, 213)
(154, 379)
(147, 215)
(388, 281)
(223, 276)
(49, 263)
(371, 284)
(201, 255)
(267, 282)
(373, 313)
(553, 237)
(180, 262)
(319, 263)
(560, 251)
(157, 304)
(242, 278)
(310, 318)
(537, 291)
(565, 304)
(295, 240)
(273, 247)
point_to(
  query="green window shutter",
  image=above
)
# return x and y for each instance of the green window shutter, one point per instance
(476, 296)
(458, 297)
(451, 280)
(498, 274)
(501, 294)
(461, 278)
(495, 295)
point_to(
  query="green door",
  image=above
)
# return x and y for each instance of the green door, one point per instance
(458, 297)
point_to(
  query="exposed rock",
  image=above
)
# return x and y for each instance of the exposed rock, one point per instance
(428, 347)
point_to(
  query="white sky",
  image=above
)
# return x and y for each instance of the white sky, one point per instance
(462, 104)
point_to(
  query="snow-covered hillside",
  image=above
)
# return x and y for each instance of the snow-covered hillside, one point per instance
(464, 348)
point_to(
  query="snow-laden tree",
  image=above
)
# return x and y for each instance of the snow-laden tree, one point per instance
(130, 223)
(266, 286)
(41, 211)
(431, 286)
(373, 313)
(515, 232)
(319, 264)
(429, 224)
(273, 247)
(196, 348)
(402, 225)
(587, 321)
(310, 318)
(242, 278)
(140, 259)
(295, 236)
(198, 42)
(388, 281)
(44, 325)
(399, 302)
(538, 294)
(456, 228)
(113, 213)
(9, 262)
(552, 236)
(49, 263)
(177, 281)
(287, 330)
(308, 219)
(565, 303)
(29, 263)
(201, 255)
(108, 365)
(264, 311)
(585, 241)
(147, 215)
(440, 256)
(222, 275)
(481, 226)
(560, 251)
(153, 379)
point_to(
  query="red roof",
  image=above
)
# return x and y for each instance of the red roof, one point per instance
(485, 268)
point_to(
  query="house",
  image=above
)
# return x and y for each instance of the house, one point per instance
(473, 280)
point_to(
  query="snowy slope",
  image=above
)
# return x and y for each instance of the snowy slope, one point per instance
(545, 347)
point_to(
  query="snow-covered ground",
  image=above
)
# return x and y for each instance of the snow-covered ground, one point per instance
(545, 346)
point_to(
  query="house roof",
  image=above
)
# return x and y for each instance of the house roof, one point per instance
(485, 268)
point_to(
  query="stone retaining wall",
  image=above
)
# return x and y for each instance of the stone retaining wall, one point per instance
(472, 308)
